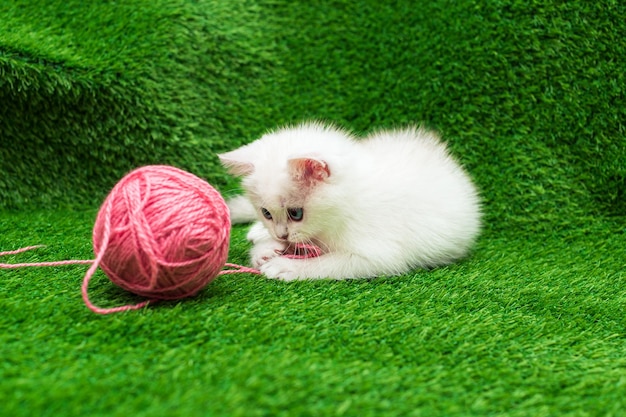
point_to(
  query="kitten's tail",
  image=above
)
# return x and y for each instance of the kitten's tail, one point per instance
(241, 210)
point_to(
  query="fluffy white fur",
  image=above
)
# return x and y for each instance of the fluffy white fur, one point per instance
(382, 205)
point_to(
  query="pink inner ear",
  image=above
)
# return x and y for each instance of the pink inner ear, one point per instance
(309, 169)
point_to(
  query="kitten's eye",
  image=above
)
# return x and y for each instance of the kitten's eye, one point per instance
(295, 214)
(266, 213)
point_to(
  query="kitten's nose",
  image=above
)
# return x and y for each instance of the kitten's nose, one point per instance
(282, 231)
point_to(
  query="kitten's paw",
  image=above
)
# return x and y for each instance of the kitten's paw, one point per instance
(281, 268)
(262, 253)
(258, 233)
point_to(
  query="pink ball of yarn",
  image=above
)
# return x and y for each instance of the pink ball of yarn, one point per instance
(162, 233)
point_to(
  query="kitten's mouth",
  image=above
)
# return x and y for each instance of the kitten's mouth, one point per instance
(300, 251)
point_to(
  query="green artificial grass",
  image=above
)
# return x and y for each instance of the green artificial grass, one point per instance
(518, 329)
(89, 90)
(530, 96)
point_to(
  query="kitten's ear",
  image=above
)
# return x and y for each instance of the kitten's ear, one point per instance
(237, 163)
(309, 170)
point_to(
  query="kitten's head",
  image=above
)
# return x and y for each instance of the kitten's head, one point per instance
(286, 175)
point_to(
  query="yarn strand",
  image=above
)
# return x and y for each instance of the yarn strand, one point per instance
(38, 264)
(106, 234)
(233, 269)
(236, 269)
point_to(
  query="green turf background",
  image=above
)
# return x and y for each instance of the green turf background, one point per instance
(531, 97)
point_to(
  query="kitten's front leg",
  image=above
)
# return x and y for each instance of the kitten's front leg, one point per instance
(284, 269)
(329, 265)
(264, 246)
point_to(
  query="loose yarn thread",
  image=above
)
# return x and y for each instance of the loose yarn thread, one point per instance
(43, 264)
(236, 269)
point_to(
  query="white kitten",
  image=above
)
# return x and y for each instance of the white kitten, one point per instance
(382, 205)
